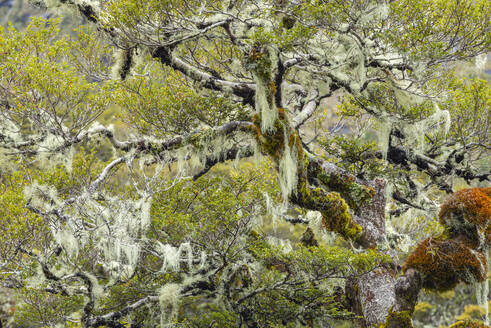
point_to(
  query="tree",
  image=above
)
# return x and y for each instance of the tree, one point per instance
(104, 227)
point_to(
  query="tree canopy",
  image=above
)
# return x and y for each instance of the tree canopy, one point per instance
(260, 163)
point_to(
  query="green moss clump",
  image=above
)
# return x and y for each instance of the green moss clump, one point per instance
(445, 263)
(271, 144)
(469, 324)
(396, 319)
(335, 213)
(354, 193)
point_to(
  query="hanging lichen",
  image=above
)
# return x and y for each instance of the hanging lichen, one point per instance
(284, 245)
(383, 133)
(482, 291)
(169, 296)
(173, 256)
(288, 170)
(262, 62)
(415, 132)
(283, 146)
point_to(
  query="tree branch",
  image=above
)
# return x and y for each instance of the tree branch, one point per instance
(243, 90)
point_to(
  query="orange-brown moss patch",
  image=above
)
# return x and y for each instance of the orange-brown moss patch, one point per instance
(466, 208)
(445, 263)
(469, 324)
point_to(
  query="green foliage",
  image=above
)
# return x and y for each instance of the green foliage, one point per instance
(41, 60)
(355, 155)
(38, 308)
(18, 226)
(419, 28)
(469, 102)
(164, 104)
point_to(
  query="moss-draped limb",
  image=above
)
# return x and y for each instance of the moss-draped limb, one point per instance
(335, 211)
(334, 178)
(337, 192)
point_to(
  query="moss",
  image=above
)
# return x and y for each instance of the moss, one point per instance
(462, 211)
(259, 60)
(397, 319)
(472, 312)
(469, 324)
(354, 193)
(272, 143)
(445, 263)
(421, 310)
(335, 213)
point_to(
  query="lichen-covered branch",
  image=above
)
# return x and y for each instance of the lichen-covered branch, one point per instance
(243, 90)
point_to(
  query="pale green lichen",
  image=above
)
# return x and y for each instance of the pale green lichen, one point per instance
(169, 296)
(288, 170)
(173, 256)
(262, 63)
(482, 289)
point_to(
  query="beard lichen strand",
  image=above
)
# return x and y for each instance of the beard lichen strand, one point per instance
(66, 239)
(263, 62)
(283, 245)
(173, 256)
(383, 133)
(288, 169)
(265, 104)
(169, 296)
(415, 132)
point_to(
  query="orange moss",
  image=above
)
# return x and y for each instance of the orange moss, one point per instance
(469, 324)
(466, 208)
(445, 263)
